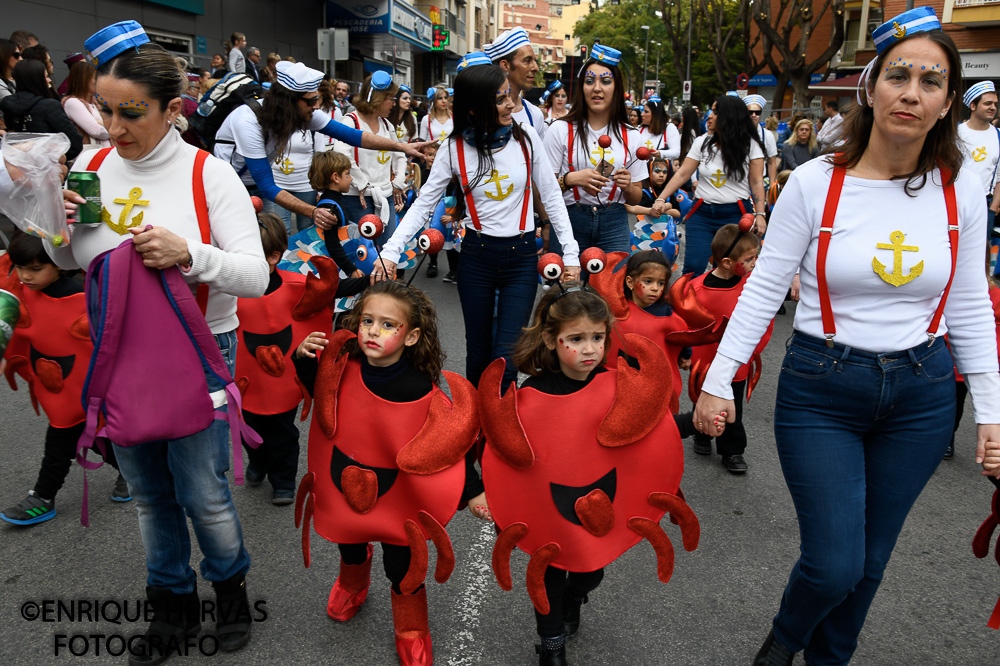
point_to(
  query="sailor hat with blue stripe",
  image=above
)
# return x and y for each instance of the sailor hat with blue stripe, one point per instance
(920, 19)
(296, 76)
(732, 93)
(506, 43)
(606, 55)
(403, 88)
(975, 91)
(755, 99)
(473, 59)
(654, 99)
(108, 42)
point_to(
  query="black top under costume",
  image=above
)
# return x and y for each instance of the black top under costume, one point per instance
(398, 382)
(63, 287)
(336, 250)
(715, 282)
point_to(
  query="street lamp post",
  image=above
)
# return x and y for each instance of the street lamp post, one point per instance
(690, 20)
(657, 77)
(645, 61)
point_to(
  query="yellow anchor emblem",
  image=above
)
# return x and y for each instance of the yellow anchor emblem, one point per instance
(603, 152)
(896, 278)
(718, 178)
(284, 166)
(383, 157)
(495, 178)
(444, 135)
(600, 55)
(400, 132)
(979, 154)
(123, 226)
(900, 30)
(649, 144)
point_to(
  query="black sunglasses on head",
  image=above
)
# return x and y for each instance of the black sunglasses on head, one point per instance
(17, 54)
(311, 101)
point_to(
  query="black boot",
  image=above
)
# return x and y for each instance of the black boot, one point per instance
(550, 656)
(571, 613)
(233, 619)
(773, 653)
(175, 617)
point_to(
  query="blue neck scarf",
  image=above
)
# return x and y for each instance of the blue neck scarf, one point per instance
(499, 139)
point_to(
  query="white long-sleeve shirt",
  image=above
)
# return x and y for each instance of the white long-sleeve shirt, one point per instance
(870, 313)
(668, 143)
(499, 215)
(160, 188)
(829, 133)
(557, 148)
(377, 168)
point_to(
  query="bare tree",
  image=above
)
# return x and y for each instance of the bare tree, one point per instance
(787, 31)
(677, 24)
(727, 25)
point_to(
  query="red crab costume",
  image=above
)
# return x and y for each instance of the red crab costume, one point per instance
(691, 324)
(272, 326)
(721, 303)
(576, 480)
(395, 476)
(50, 349)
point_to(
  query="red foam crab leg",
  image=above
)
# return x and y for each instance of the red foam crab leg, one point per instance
(502, 549)
(446, 555)
(695, 379)
(306, 529)
(994, 622)
(660, 542)
(756, 364)
(535, 578)
(306, 399)
(981, 542)
(678, 508)
(417, 573)
(305, 487)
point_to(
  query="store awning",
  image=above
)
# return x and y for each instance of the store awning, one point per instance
(835, 86)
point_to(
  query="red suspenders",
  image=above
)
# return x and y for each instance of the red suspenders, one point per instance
(470, 204)
(569, 156)
(614, 186)
(826, 231)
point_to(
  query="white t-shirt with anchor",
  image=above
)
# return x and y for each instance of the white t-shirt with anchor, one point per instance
(668, 143)
(431, 129)
(291, 168)
(981, 150)
(378, 167)
(888, 262)
(713, 184)
(557, 143)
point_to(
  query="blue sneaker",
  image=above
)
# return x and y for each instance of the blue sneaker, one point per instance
(30, 511)
(121, 492)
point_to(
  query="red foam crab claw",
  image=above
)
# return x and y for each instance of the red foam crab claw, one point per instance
(431, 241)
(550, 266)
(447, 434)
(320, 290)
(594, 260)
(370, 226)
(80, 328)
(331, 367)
(610, 284)
(686, 304)
(500, 422)
(642, 397)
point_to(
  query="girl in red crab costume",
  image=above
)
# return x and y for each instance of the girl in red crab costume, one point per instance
(398, 474)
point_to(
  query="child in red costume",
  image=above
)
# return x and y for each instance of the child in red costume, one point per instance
(386, 453)
(734, 254)
(51, 350)
(292, 306)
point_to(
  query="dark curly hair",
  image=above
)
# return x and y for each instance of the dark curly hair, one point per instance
(734, 131)
(426, 356)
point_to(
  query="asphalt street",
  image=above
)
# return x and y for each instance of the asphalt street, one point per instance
(932, 608)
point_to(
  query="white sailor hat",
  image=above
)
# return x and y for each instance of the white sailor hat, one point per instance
(506, 43)
(296, 76)
(755, 99)
(654, 99)
(920, 19)
(108, 42)
(473, 59)
(606, 55)
(732, 93)
(975, 91)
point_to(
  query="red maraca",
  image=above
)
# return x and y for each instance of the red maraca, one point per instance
(604, 141)
(370, 226)
(747, 222)
(642, 153)
(594, 259)
(550, 266)
(258, 204)
(431, 241)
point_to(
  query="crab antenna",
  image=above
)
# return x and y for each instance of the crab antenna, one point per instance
(417, 572)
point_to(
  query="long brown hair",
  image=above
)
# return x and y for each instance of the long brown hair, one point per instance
(941, 143)
(426, 356)
(558, 306)
(578, 114)
(78, 84)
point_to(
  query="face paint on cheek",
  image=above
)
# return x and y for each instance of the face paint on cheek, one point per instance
(739, 269)
(138, 107)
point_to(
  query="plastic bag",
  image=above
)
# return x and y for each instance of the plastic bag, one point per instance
(35, 203)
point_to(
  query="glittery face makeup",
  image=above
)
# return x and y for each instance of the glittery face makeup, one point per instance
(605, 78)
(911, 94)
(135, 124)
(580, 347)
(598, 88)
(382, 330)
(648, 286)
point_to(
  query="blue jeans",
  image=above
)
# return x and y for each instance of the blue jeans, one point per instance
(186, 478)
(353, 210)
(606, 227)
(701, 227)
(301, 221)
(488, 265)
(858, 434)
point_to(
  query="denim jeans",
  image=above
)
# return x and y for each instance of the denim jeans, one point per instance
(354, 212)
(700, 229)
(174, 480)
(488, 265)
(606, 227)
(301, 221)
(858, 434)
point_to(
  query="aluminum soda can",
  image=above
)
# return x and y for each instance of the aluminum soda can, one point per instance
(88, 185)
(10, 312)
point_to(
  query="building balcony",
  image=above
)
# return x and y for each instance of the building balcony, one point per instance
(972, 12)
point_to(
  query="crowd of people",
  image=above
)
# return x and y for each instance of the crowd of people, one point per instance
(264, 186)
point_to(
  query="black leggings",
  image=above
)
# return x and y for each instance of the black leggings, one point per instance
(60, 451)
(395, 560)
(559, 583)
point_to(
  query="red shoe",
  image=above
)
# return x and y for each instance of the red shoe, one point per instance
(413, 635)
(350, 590)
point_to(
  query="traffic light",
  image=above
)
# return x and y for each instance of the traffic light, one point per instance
(583, 50)
(440, 38)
